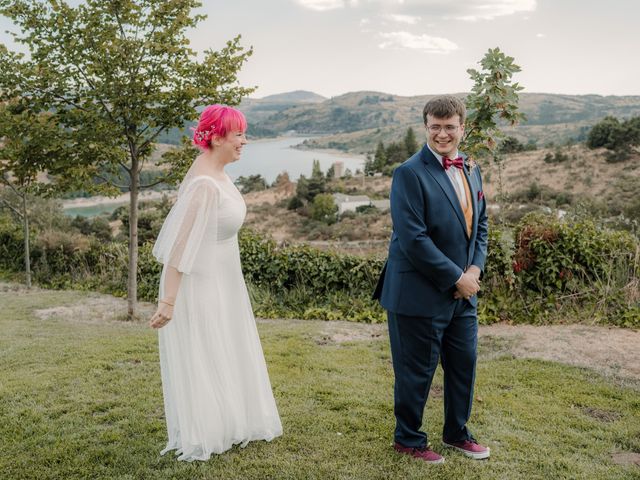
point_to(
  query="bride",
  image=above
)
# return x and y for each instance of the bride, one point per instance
(214, 377)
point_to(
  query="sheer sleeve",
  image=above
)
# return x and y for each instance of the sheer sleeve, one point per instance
(182, 232)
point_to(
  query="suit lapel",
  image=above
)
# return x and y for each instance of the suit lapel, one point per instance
(437, 172)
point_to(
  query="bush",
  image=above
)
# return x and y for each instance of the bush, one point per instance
(617, 136)
(98, 227)
(324, 208)
(549, 271)
(557, 157)
(364, 209)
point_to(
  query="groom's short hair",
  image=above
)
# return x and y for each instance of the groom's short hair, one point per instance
(444, 106)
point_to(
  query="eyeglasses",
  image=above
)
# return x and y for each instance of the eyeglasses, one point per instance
(447, 128)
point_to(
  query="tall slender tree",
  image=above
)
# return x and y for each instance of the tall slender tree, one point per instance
(410, 142)
(119, 73)
(31, 145)
(493, 101)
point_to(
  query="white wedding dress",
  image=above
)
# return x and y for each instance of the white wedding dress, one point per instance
(214, 377)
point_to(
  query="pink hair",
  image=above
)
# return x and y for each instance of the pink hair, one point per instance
(217, 120)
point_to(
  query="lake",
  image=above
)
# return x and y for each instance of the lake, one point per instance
(268, 158)
(271, 157)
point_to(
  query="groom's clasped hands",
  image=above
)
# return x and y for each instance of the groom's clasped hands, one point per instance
(469, 283)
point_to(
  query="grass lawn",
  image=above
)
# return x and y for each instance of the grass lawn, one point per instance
(81, 399)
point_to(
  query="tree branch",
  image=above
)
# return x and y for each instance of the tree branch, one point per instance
(11, 208)
(111, 182)
(149, 140)
(158, 182)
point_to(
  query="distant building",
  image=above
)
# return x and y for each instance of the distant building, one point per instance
(350, 202)
(381, 205)
(338, 169)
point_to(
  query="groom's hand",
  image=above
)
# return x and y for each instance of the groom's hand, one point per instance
(469, 283)
(475, 271)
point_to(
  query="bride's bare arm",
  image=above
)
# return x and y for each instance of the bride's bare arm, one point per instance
(164, 312)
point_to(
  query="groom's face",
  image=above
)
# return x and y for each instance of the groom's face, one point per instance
(444, 134)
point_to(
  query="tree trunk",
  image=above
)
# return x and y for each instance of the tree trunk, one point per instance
(27, 250)
(132, 281)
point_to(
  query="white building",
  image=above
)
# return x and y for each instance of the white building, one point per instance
(350, 202)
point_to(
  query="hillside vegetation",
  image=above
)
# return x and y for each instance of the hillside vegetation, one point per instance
(357, 121)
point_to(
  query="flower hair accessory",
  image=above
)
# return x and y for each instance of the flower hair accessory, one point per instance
(204, 135)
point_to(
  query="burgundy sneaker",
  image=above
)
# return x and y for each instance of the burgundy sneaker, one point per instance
(423, 453)
(470, 448)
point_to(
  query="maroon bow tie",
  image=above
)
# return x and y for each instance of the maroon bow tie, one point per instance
(456, 162)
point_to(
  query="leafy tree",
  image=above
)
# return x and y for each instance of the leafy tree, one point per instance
(369, 166)
(252, 183)
(282, 180)
(31, 145)
(493, 98)
(120, 73)
(410, 143)
(331, 172)
(316, 171)
(605, 133)
(317, 183)
(316, 186)
(396, 153)
(302, 188)
(620, 137)
(511, 145)
(98, 227)
(294, 203)
(324, 208)
(380, 157)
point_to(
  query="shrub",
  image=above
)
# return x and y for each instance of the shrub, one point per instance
(324, 208)
(98, 227)
(548, 271)
(557, 157)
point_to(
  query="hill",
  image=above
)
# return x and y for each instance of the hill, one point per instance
(530, 180)
(297, 96)
(356, 121)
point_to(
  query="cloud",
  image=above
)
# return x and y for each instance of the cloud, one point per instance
(321, 5)
(540, 35)
(417, 42)
(488, 10)
(408, 19)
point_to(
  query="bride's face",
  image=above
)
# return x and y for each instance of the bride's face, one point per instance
(232, 144)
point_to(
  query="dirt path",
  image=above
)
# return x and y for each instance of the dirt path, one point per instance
(611, 351)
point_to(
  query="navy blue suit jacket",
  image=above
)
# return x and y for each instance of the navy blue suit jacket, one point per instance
(430, 248)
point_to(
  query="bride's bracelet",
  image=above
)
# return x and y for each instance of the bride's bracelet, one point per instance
(166, 303)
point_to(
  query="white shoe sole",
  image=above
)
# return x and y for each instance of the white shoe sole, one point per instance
(475, 456)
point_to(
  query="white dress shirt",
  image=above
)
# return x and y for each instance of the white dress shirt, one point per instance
(455, 176)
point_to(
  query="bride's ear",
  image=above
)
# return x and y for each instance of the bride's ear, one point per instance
(216, 140)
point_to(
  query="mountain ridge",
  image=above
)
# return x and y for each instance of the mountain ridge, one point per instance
(551, 118)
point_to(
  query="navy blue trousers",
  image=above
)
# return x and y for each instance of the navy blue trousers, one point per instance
(417, 344)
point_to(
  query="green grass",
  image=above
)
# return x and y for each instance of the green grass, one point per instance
(81, 400)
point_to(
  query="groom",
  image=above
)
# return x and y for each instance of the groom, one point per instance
(430, 281)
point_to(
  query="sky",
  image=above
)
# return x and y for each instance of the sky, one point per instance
(418, 47)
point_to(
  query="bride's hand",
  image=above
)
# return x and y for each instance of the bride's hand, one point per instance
(163, 314)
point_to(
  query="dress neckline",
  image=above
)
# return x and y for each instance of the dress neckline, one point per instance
(226, 179)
